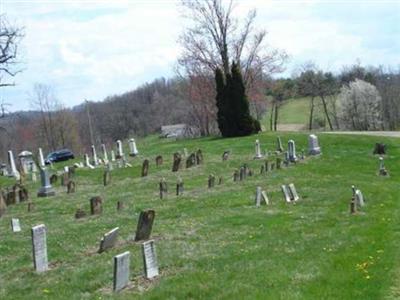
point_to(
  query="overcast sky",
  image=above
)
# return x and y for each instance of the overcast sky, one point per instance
(94, 49)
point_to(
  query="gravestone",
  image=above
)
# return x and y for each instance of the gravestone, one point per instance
(382, 170)
(225, 156)
(46, 190)
(13, 169)
(145, 225)
(3, 205)
(120, 152)
(132, 148)
(380, 149)
(265, 197)
(279, 147)
(96, 205)
(112, 155)
(293, 193)
(87, 162)
(64, 179)
(220, 180)
(159, 160)
(359, 198)
(211, 181)
(242, 173)
(236, 176)
(15, 226)
(95, 161)
(121, 271)
(120, 206)
(191, 161)
(286, 193)
(145, 168)
(287, 160)
(71, 187)
(258, 196)
(39, 248)
(105, 155)
(179, 187)
(80, 213)
(41, 158)
(272, 166)
(108, 240)
(199, 157)
(353, 206)
(258, 154)
(313, 145)
(292, 151)
(150, 259)
(177, 162)
(163, 188)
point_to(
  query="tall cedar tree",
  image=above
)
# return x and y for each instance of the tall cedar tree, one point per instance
(234, 117)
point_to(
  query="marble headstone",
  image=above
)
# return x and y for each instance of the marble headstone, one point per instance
(313, 145)
(121, 271)
(109, 239)
(150, 259)
(39, 247)
(15, 226)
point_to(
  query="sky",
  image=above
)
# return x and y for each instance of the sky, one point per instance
(94, 49)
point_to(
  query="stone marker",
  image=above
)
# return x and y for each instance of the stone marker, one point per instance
(225, 156)
(145, 225)
(279, 147)
(380, 149)
(191, 161)
(145, 168)
(179, 187)
(105, 155)
(95, 161)
(236, 176)
(163, 188)
(353, 206)
(292, 151)
(3, 205)
(120, 206)
(46, 190)
(120, 152)
(80, 213)
(258, 196)
(382, 170)
(106, 177)
(258, 150)
(267, 167)
(211, 181)
(159, 160)
(112, 155)
(286, 193)
(132, 148)
(64, 179)
(121, 271)
(13, 169)
(41, 158)
(265, 197)
(313, 145)
(359, 198)
(15, 226)
(272, 166)
(199, 157)
(71, 187)
(286, 161)
(87, 162)
(242, 173)
(177, 162)
(150, 259)
(96, 205)
(293, 193)
(109, 239)
(39, 247)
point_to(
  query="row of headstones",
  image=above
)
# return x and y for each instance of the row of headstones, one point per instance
(289, 193)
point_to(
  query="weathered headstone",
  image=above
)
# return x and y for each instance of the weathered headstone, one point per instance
(71, 187)
(265, 197)
(13, 169)
(258, 154)
(95, 161)
(105, 155)
(120, 152)
(120, 206)
(279, 147)
(313, 145)
(380, 149)
(163, 188)
(96, 205)
(106, 177)
(272, 166)
(185, 152)
(109, 240)
(286, 193)
(179, 187)
(41, 158)
(382, 170)
(236, 175)
(145, 168)
(293, 193)
(121, 271)
(39, 247)
(46, 190)
(258, 196)
(15, 226)
(64, 179)
(87, 162)
(191, 161)
(80, 213)
(177, 162)
(267, 167)
(211, 181)
(3, 205)
(145, 225)
(353, 205)
(132, 148)
(159, 160)
(359, 198)
(220, 180)
(112, 155)
(225, 156)
(292, 151)
(150, 259)
(242, 173)
(199, 157)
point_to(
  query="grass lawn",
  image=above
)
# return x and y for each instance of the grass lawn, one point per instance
(215, 244)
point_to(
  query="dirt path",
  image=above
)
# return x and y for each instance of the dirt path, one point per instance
(373, 133)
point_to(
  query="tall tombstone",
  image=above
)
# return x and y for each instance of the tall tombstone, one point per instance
(286, 193)
(132, 148)
(353, 205)
(39, 248)
(185, 152)
(109, 240)
(150, 259)
(15, 226)
(145, 168)
(121, 271)
(177, 162)
(112, 155)
(220, 180)
(163, 188)
(258, 154)
(159, 160)
(313, 145)
(293, 193)
(242, 173)
(258, 196)
(265, 197)
(87, 162)
(95, 161)
(179, 187)
(191, 161)
(120, 152)
(279, 147)
(145, 225)
(380, 149)
(236, 175)
(106, 177)
(46, 190)
(71, 187)
(13, 169)
(211, 181)
(105, 155)
(199, 157)
(382, 170)
(359, 198)
(292, 151)
(96, 205)
(41, 158)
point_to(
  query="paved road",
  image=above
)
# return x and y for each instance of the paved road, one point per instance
(374, 133)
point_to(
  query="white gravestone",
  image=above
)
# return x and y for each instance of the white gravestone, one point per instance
(94, 155)
(109, 240)
(13, 169)
(112, 155)
(359, 198)
(313, 145)
(120, 152)
(87, 162)
(258, 196)
(293, 193)
(286, 193)
(132, 148)
(121, 271)
(105, 156)
(15, 226)
(292, 151)
(150, 259)
(258, 150)
(46, 190)
(41, 158)
(265, 197)
(39, 247)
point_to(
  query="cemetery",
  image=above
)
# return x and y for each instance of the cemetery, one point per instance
(296, 215)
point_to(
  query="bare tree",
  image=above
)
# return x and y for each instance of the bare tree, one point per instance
(9, 38)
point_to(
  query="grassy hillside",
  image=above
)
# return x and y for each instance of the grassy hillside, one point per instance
(215, 244)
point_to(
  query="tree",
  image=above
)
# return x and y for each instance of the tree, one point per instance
(9, 38)
(279, 90)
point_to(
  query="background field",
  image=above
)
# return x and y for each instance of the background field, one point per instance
(215, 244)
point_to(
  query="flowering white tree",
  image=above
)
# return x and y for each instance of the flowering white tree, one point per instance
(361, 106)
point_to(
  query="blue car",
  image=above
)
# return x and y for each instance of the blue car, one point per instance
(60, 155)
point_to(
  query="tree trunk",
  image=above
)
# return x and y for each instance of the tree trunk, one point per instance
(276, 116)
(311, 113)
(326, 112)
(271, 119)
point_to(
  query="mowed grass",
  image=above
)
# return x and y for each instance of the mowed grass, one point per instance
(215, 244)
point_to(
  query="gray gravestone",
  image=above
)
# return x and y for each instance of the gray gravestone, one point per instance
(150, 259)
(258, 150)
(145, 168)
(15, 226)
(211, 181)
(279, 147)
(293, 193)
(46, 189)
(132, 148)
(258, 196)
(145, 225)
(109, 239)
(159, 160)
(292, 151)
(265, 197)
(39, 247)
(177, 162)
(286, 193)
(313, 145)
(121, 271)
(96, 205)
(359, 198)
(179, 187)
(163, 188)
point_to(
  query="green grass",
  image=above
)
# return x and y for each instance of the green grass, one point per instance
(215, 244)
